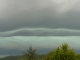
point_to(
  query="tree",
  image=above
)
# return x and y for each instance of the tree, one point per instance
(31, 53)
(63, 53)
(47, 57)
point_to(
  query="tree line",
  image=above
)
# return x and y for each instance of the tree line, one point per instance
(63, 52)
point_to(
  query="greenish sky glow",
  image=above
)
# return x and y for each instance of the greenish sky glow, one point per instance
(21, 43)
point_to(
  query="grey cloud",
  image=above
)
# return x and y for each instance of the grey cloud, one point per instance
(41, 32)
(26, 18)
(41, 18)
(46, 32)
(37, 14)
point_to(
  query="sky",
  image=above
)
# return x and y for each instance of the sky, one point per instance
(45, 24)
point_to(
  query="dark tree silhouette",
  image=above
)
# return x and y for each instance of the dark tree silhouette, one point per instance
(31, 53)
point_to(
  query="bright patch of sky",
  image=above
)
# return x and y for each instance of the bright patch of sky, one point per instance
(39, 42)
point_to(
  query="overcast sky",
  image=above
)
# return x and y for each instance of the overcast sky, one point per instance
(44, 23)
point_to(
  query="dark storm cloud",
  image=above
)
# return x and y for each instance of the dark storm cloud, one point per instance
(41, 32)
(24, 22)
(29, 16)
(37, 14)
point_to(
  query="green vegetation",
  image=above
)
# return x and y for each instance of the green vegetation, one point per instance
(21, 57)
(31, 53)
(61, 53)
(10, 58)
(47, 57)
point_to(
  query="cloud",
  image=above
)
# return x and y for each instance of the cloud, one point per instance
(66, 5)
(42, 23)
(39, 14)
(41, 32)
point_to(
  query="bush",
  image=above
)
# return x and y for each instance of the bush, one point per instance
(63, 53)
(47, 57)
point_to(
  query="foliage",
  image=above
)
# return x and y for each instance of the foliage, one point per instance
(21, 57)
(10, 58)
(31, 53)
(63, 53)
(47, 57)
(78, 56)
